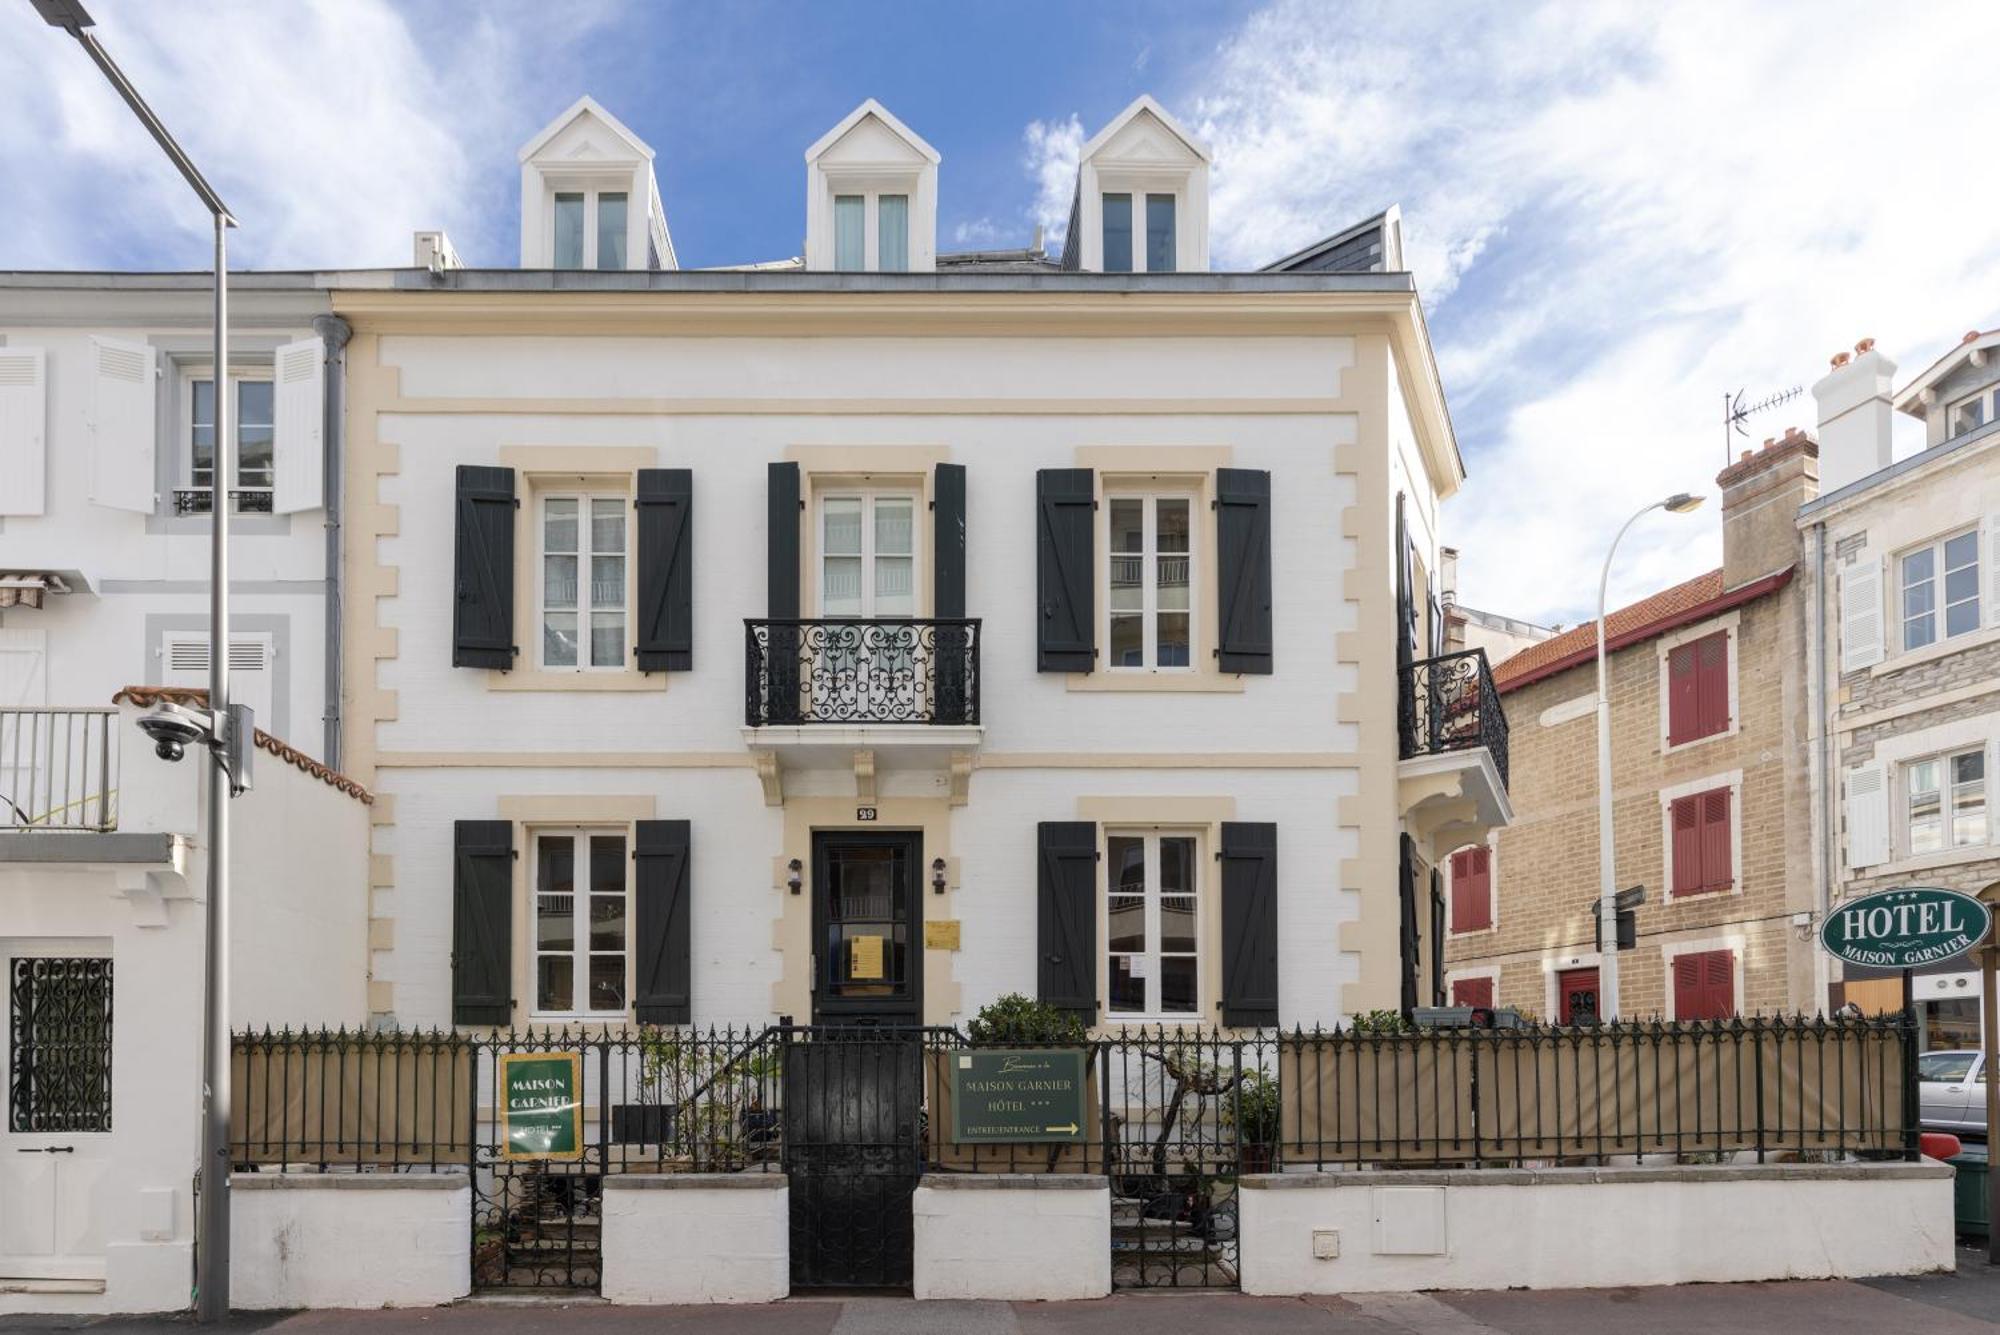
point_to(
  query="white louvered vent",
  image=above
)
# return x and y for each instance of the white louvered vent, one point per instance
(20, 368)
(120, 362)
(192, 656)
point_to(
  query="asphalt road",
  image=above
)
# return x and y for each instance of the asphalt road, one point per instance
(1967, 1303)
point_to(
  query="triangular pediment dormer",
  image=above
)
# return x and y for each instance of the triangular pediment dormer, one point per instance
(871, 196)
(1142, 196)
(589, 199)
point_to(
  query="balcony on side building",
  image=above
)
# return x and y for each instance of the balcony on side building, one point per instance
(1452, 749)
(59, 770)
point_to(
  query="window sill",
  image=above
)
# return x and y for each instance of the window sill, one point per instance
(1694, 896)
(576, 681)
(1668, 748)
(1933, 861)
(1930, 653)
(1142, 682)
(1470, 933)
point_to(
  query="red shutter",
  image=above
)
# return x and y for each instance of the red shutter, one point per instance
(1471, 890)
(1681, 700)
(1472, 992)
(1688, 1001)
(1719, 977)
(1716, 871)
(1686, 821)
(1705, 985)
(1711, 678)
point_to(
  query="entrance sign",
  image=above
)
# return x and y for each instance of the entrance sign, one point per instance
(1904, 928)
(541, 1105)
(1018, 1095)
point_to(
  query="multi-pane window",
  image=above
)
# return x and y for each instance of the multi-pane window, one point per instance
(868, 556)
(582, 917)
(255, 433)
(1698, 689)
(1941, 590)
(583, 582)
(1152, 938)
(1157, 248)
(1974, 411)
(589, 229)
(1151, 606)
(892, 232)
(1947, 802)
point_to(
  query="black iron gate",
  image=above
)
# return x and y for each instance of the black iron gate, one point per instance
(853, 1149)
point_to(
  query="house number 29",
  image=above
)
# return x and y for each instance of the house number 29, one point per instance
(864, 813)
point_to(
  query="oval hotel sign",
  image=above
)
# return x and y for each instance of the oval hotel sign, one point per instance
(1905, 928)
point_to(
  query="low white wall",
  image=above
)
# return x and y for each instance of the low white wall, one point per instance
(349, 1239)
(1012, 1236)
(1375, 1231)
(696, 1238)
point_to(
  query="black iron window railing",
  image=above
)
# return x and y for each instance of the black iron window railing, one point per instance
(1449, 703)
(841, 671)
(200, 500)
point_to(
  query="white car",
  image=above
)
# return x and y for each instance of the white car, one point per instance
(1951, 1091)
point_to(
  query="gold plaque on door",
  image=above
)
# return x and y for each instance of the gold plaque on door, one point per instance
(864, 958)
(941, 934)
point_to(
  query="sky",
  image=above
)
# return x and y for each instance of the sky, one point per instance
(1616, 212)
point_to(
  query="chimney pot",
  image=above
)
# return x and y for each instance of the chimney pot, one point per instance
(1970, 335)
(1839, 360)
(1744, 457)
(1863, 346)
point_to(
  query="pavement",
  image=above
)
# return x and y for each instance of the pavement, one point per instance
(1965, 1303)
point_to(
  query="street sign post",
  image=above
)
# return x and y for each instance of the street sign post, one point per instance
(1018, 1095)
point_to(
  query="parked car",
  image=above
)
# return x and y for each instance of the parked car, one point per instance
(1951, 1091)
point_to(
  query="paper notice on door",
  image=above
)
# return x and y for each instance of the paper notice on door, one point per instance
(864, 958)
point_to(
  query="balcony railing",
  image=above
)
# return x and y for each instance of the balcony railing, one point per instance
(200, 500)
(861, 672)
(58, 769)
(1449, 704)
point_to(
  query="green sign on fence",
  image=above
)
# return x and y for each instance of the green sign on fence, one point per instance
(541, 1105)
(1904, 928)
(1018, 1095)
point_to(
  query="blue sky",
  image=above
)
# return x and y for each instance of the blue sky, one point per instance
(1615, 211)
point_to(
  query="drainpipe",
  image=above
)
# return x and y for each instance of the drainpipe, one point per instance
(334, 333)
(1825, 808)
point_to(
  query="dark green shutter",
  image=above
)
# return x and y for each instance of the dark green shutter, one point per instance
(482, 616)
(1243, 566)
(1066, 582)
(1249, 924)
(781, 571)
(482, 922)
(1066, 916)
(948, 540)
(664, 641)
(1407, 883)
(662, 955)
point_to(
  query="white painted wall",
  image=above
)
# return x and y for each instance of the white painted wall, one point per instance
(349, 1239)
(696, 1238)
(1591, 1228)
(1012, 1237)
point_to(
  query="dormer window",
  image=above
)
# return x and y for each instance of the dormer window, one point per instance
(1158, 250)
(1142, 197)
(588, 197)
(871, 197)
(887, 216)
(589, 229)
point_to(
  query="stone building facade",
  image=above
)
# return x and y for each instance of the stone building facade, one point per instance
(1709, 795)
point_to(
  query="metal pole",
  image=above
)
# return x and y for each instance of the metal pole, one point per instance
(212, 1271)
(1607, 859)
(1989, 1007)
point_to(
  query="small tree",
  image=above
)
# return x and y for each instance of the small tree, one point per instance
(1017, 1021)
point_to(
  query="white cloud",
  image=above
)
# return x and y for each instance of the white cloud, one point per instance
(1052, 149)
(333, 129)
(979, 232)
(1617, 213)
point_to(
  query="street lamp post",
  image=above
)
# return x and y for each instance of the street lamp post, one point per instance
(212, 1228)
(1607, 859)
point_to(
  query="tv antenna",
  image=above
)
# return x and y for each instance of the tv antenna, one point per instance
(1735, 412)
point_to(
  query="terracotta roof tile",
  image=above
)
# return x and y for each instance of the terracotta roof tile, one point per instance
(1660, 606)
(145, 697)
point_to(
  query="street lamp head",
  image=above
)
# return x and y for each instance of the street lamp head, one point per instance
(1681, 502)
(65, 14)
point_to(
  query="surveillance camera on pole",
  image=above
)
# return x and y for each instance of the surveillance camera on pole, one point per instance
(175, 727)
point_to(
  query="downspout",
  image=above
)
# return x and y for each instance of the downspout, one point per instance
(334, 333)
(1821, 767)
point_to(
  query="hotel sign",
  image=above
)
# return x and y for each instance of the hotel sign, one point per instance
(541, 1105)
(1905, 928)
(1018, 1095)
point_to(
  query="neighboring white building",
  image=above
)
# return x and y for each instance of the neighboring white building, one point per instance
(867, 645)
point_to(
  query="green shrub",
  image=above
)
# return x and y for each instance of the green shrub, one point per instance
(1380, 1022)
(1017, 1021)
(1255, 1108)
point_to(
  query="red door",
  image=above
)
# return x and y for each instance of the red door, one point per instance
(1576, 996)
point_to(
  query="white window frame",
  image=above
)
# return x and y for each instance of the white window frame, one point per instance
(1940, 634)
(1733, 781)
(580, 952)
(1730, 623)
(1736, 947)
(1153, 1013)
(1113, 181)
(871, 191)
(1148, 557)
(1492, 847)
(191, 376)
(869, 497)
(1947, 794)
(1986, 396)
(585, 604)
(590, 195)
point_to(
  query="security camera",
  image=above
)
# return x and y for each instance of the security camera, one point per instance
(174, 728)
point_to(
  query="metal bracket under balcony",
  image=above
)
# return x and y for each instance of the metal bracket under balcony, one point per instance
(1452, 733)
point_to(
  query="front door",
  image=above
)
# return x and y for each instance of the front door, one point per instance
(1576, 996)
(55, 1140)
(867, 928)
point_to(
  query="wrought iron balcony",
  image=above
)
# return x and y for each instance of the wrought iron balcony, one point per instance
(1449, 703)
(861, 672)
(58, 769)
(200, 500)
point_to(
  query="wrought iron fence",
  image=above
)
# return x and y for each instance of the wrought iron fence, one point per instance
(59, 769)
(848, 671)
(1449, 703)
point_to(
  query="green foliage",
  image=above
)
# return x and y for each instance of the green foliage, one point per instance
(1255, 1108)
(1017, 1021)
(1380, 1022)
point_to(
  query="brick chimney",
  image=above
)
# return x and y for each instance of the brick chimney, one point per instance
(1761, 496)
(1854, 415)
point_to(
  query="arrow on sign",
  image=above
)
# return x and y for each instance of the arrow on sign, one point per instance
(1071, 1129)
